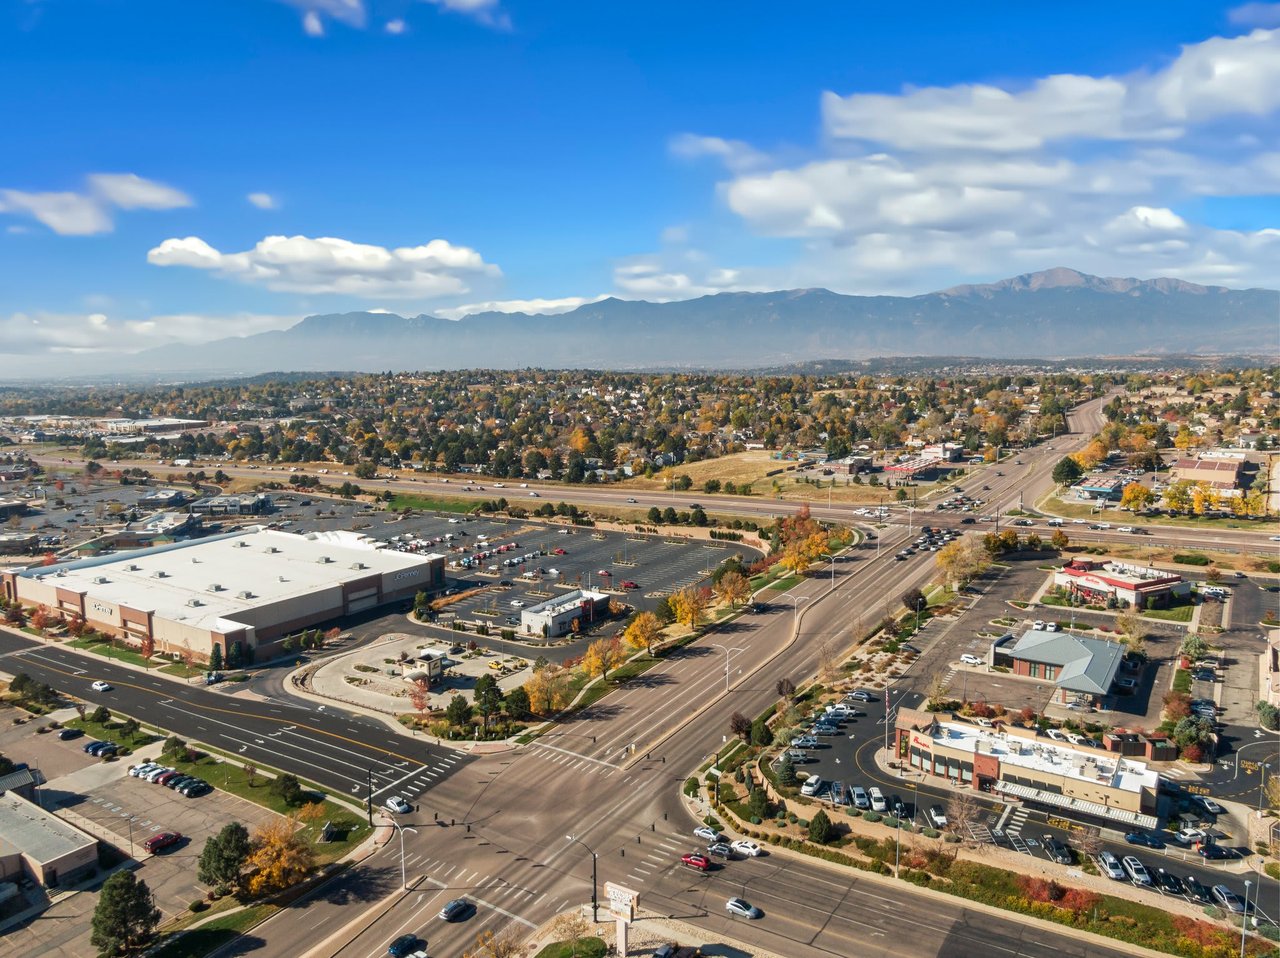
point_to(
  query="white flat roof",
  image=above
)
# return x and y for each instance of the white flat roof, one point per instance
(250, 567)
(34, 831)
(1089, 765)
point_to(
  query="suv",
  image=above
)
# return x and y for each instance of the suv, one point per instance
(163, 840)
(859, 798)
(1136, 871)
(693, 860)
(1110, 866)
(937, 817)
(1056, 850)
(878, 804)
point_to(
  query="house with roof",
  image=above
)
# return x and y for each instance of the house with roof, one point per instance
(1082, 668)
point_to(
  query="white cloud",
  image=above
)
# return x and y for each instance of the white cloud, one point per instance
(661, 279)
(39, 332)
(675, 235)
(84, 214)
(935, 186)
(395, 27)
(1216, 78)
(263, 201)
(302, 264)
(735, 154)
(488, 12)
(1255, 15)
(547, 307)
(315, 12)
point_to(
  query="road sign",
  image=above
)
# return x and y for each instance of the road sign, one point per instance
(622, 901)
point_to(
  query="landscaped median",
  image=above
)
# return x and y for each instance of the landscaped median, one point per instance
(749, 795)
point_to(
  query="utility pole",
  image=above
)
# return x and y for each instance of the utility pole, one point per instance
(369, 798)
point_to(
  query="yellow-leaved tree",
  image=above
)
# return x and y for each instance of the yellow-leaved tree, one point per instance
(602, 657)
(690, 604)
(643, 631)
(548, 690)
(1136, 496)
(280, 857)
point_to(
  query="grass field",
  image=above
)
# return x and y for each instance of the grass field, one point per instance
(109, 651)
(405, 500)
(214, 934)
(1077, 510)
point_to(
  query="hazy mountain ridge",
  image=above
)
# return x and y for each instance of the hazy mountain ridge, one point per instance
(1057, 313)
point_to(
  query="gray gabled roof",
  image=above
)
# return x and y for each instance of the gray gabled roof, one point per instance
(1085, 664)
(18, 778)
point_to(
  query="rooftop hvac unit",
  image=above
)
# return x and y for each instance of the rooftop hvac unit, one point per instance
(159, 574)
(194, 603)
(99, 580)
(245, 594)
(358, 565)
(324, 560)
(240, 544)
(215, 587)
(131, 567)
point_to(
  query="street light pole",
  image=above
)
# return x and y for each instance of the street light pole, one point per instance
(400, 830)
(1244, 915)
(595, 907)
(795, 610)
(727, 650)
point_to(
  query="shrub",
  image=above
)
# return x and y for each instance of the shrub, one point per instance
(1190, 558)
(198, 905)
(931, 833)
(873, 817)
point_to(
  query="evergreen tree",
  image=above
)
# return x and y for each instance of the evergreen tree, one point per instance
(224, 854)
(126, 915)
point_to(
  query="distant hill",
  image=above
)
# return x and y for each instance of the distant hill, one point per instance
(1057, 313)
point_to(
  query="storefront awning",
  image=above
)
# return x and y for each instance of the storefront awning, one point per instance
(1069, 804)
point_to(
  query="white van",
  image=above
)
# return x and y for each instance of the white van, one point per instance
(811, 786)
(878, 804)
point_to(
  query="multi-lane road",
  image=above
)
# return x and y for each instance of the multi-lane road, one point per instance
(611, 778)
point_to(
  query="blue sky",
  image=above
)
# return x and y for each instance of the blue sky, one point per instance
(184, 171)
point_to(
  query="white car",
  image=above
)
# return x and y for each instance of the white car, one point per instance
(746, 848)
(1110, 866)
(398, 805)
(1137, 871)
(968, 658)
(1038, 625)
(100, 686)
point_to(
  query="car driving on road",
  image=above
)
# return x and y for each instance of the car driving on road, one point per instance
(742, 908)
(101, 686)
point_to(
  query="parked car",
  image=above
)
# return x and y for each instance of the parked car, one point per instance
(1170, 884)
(742, 908)
(878, 803)
(1057, 850)
(1136, 871)
(196, 789)
(178, 781)
(1213, 852)
(1228, 899)
(805, 741)
(861, 695)
(968, 658)
(708, 833)
(1210, 806)
(937, 817)
(67, 734)
(1196, 890)
(161, 841)
(859, 798)
(1110, 866)
(694, 860)
(1149, 839)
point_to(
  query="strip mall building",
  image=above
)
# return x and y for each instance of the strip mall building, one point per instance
(1021, 764)
(251, 588)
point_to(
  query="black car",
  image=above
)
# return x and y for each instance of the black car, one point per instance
(720, 850)
(67, 734)
(196, 789)
(1170, 884)
(1144, 838)
(1057, 850)
(1196, 891)
(178, 781)
(90, 746)
(1212, 852)
(455, 909)
(403, 946)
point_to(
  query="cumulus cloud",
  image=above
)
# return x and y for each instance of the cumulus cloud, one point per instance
(395, 27)
(316, 12)
(547, 307)
(326, 264)
(1222, 76)
(84, 214)
(918, 190)
(39, 332)
(263, 201)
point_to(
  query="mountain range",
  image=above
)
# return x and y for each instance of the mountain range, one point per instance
(1056, 313)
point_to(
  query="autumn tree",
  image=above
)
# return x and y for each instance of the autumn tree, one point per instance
(280, 857)
(147, 647)
(490, 945)
(939, 687)
(602, 656)
(962, 561)
(1177, 496)
(740, 726)
(548, 690)
(1136, 497)
(40, 618)
(733, 587)
(419, 697)
(690, 604)
(643, 631)
(963, 811)
(1203, 498)
(1059, 540)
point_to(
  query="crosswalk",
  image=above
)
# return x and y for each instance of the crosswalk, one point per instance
(494, 892)
(659, 856)
(400, 780)
(588, 765)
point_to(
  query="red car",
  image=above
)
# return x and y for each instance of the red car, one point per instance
(162, 840)
(694, 860)
(605, 572)
(630, 585)
(560, 552)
